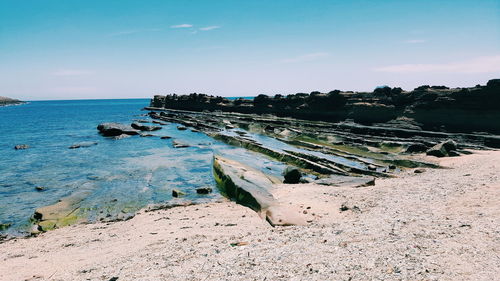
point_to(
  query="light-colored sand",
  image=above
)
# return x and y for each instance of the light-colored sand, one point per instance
(443, 224)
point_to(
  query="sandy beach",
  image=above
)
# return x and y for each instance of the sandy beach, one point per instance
(441, 224)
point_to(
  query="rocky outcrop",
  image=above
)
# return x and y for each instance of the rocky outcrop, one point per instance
(435, 108)
(116, 129)
(251, 188)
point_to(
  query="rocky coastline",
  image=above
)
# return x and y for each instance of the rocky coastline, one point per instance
(431, 108)
(4, 101)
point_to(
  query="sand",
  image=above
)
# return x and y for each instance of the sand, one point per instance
(442, 224)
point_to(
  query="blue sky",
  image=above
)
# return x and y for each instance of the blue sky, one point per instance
(55, 49)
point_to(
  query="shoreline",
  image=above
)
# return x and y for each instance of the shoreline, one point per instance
(439, 224)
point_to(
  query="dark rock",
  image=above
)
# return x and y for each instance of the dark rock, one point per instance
(165, 137)
(416, 148)
(371, 167)
(159, 122)
(83, 144)
(181, 128)
(116, 129)
(40, 188)
(146, 135)
(419, 171)
(21, 146)
(179, 145)
(145, 127)
(4, 226)
(292, 175)
(204, 190)
(177, 193)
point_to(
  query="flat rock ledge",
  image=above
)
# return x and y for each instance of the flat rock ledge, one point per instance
(251, 188)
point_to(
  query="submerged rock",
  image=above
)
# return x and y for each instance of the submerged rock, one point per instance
(292, 175)
(177, 193)
(116, 129)
(165, 137)
(4, 226)
(83, 144)
(61, 213)
(21, 146)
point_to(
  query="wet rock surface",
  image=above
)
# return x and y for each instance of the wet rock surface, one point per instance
(21, 146)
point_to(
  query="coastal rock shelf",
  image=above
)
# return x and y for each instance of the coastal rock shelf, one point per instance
(431, 108)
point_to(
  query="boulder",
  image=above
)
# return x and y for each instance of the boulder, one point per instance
(21, 146)
(165, 137)
(181, 128)
(292, 175)
(443, 149)
(116, 129)
(204, 190)
(142, 127)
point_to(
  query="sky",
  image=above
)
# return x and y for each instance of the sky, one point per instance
(66, 49)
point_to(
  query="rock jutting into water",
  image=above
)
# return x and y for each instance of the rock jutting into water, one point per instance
(9, 101)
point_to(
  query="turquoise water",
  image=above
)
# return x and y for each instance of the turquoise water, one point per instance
(118, 175)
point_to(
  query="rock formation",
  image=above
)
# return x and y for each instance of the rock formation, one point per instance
(436, 108)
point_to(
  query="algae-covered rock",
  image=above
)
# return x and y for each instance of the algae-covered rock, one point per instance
(62, 213)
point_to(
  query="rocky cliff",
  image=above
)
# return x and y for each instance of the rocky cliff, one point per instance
(436, 108)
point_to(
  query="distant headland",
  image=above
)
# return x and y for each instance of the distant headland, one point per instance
(9, 101)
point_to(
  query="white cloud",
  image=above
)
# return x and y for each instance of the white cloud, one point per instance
(476, 65)
(306, 57)
(184, 25)
(71, 72)
(207, 28)
(415, 41)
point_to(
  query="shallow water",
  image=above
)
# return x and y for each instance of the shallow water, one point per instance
(119, 175)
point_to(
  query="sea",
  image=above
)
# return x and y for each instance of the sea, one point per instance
(118, 176)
